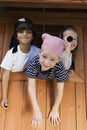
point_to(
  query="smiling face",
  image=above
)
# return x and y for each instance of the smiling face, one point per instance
(24, 37)
(47, 59)
(73, 34)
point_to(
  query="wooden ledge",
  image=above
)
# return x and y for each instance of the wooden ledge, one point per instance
(22, 76)
(74, 78)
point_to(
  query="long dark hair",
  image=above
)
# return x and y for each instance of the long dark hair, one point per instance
(21, 24)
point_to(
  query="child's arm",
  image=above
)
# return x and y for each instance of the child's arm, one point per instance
(5, 83)
(54, 114)
(37, 116)
(67, 57)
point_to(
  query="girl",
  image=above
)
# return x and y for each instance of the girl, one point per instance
(69, 34)
(20, 51)
(47, 65)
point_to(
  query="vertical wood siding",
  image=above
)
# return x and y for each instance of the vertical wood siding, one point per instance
(73, 107)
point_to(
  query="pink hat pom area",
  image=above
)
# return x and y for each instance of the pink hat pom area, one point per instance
(52, 43)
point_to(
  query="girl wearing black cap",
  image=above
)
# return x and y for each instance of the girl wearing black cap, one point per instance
(20, 52)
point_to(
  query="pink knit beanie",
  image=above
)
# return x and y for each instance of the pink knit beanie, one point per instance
(54, 44)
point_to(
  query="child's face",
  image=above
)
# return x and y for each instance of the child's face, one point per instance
(47, 59)
(73, 34)
(24, 37)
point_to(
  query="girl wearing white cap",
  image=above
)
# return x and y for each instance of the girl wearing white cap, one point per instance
(20, 51)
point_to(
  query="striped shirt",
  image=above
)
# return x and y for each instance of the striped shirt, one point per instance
(34, 71)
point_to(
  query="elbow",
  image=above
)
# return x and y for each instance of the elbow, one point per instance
(6, 75)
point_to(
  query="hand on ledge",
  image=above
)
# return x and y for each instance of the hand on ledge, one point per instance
(36, 119)
(54, 117)
(4, 103)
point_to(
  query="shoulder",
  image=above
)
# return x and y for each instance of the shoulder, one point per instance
(33, 52)
(64, 55)
(61, 73)
(9, 52)
(32, 67)
(33, 47)
(34, 60)
(60, 65)
(7, 60)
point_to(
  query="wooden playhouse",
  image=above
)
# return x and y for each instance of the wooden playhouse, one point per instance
(48, 16)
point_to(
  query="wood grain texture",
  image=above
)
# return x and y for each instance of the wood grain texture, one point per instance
(73, 107)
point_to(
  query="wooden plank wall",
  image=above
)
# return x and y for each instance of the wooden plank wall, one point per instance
(70, 4)
(73, 107)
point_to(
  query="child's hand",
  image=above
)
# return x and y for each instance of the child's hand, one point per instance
(54, 117)
(36, 119)
(4, 103)
(68, 49)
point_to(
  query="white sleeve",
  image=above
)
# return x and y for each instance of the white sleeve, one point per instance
(67, 60)
(7, 62)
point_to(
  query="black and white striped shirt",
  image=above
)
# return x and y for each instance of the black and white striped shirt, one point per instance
(34, 71)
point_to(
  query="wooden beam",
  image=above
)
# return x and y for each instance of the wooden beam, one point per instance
(71, 4)
(47, 18)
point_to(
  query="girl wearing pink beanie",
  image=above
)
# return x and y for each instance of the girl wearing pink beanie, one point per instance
(47, 65)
